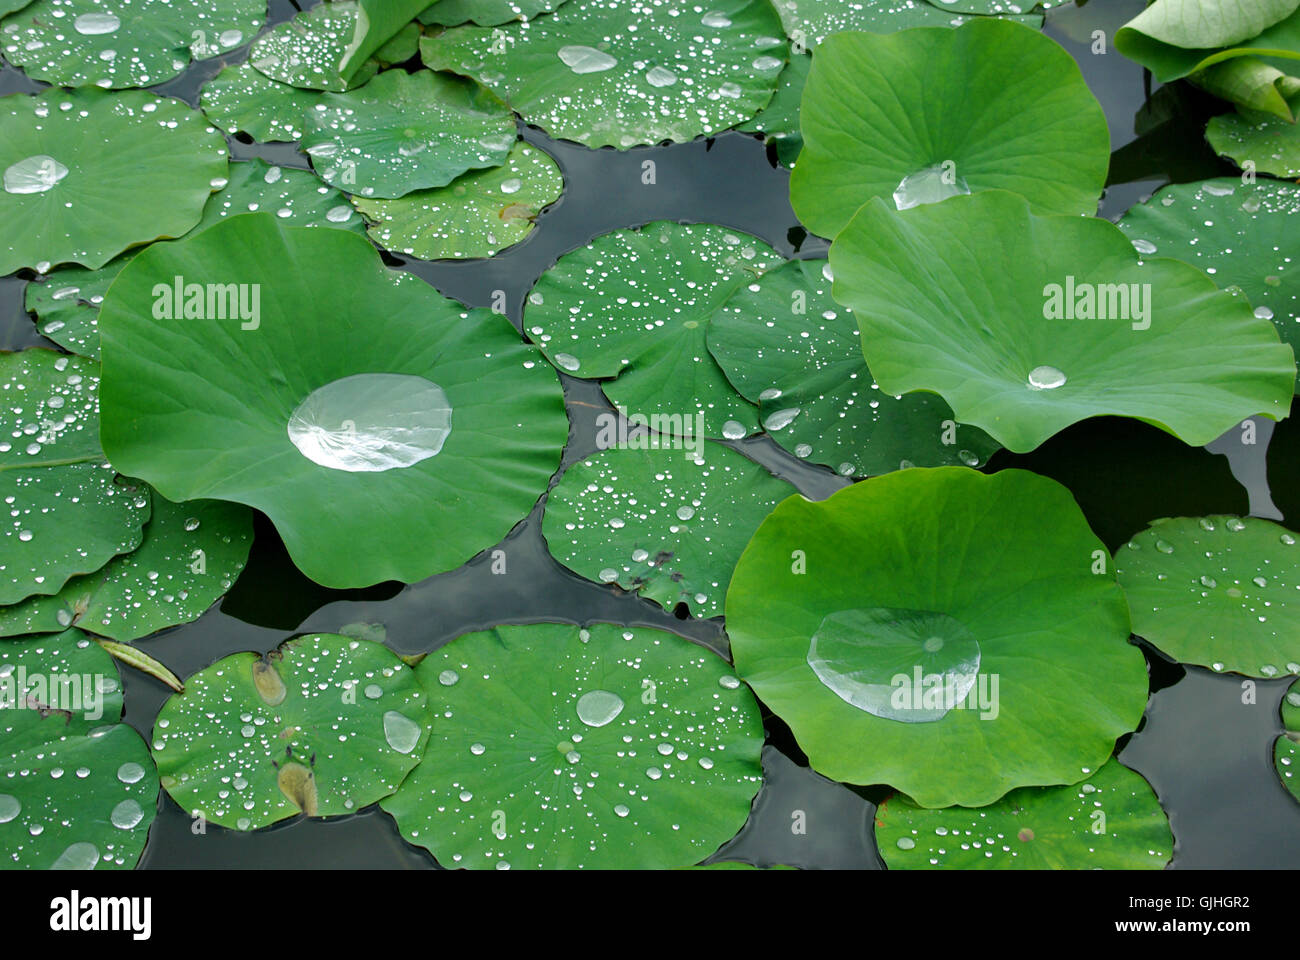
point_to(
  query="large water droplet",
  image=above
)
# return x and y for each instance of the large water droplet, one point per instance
(34, 174)
(660, 77)
(372, 422)
(130, 772)
(1045, 378)
(96, 24)
(930, 185)
(598, 707)
(897, 664)
(716, 19)
(402, 733)
(78, 856)
(582, 59)
(10, 807)
(126, 814)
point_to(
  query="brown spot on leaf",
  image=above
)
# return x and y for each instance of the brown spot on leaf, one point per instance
(298, 784)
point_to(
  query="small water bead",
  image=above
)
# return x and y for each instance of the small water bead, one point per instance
(126, 814)
(1164, 546)
(513, 185)
(373, 691)
(621, 810)
(1145, 247)
(1235, 524)
(96, 24)
(906, 843)
(1264, 313)
(1206, 524)
(640, 556)
(608, 575)
(665, 749)
(730, 683)
(477, 749)
(706, 763)
(599, 707)
(130, 772)
(35, 174)
(401, 732)
(568, 361)
(1209, 582)
(581, 59)
(1046, 378)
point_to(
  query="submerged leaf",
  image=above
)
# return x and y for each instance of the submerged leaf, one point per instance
(394, 456)
(324, 725)
(1112, 821)
(563, 747)
(625, 72)
(861, 618)
(1216, 591)
(1026, 324)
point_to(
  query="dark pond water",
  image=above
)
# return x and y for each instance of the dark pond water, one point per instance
(1208, 755)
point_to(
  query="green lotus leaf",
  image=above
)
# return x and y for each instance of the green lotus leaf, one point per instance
(1176, 38)
(1237, 232)
(407, 131)
(1286, 749)
(953, 634)
(485, 13)
(809, 22)
(190, 555)
(1216, 591)
(1112, 820)
(126, 43)
(1252, 84)
(378, 21)
(996, 6)
(1267, 144)
(779, 120)
(67, 198)
(68, 514)
(565, 747)
(478, 214)
(242, 99)
(67, 303)
(635, 304)
(1008, 341)
(625, 72)
(10, 6)
(792, 350)
(309, 50)
(78, 790)
(324, 725)
(390, 457)
(400, 47)
(888, 115)
(659, 522)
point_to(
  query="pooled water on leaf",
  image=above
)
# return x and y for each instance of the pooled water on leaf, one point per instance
(94, 24)
(372, 422)
(35, 174)
(401, 732)
(78, 856)
(598, 707)
(931, 185)
(582, 59)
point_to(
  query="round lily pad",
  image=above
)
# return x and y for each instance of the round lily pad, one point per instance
(241, 99)
(1237, 232)
(78, 790)
(67, 512)
(478, 214)
(68, 196)
(125, 43)
(792, 350)
(563, 747)
(407, 131)
(309, 50)
(1268, 144)
(953, 634)
(190, 556)
(67, 304)
(1286, 750)
(1026, 324)
(625, 72)
(1217, 591)
(658, 521)
(324, 725)
(391, 455)
(1112, 820)
(635, 304)
(486, 13)
(809, 22)
(889, 115)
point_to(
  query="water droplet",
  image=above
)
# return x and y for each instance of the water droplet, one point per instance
(730, 683)
(1209, 582)
(733, 430)
(373, 691)
(660, 77)
(340, 214)
(780, 419)
(448, 678)
(621, 810)
(96, 24)
(24, 535)
(402, 733)
(582, 59)
(568, 361)
(685, 512)
(716, 19)
(477, 749)
(10, 807)
(126, 814)
(931, 185)
(599, 707)
(906, 843)
(130, 773)
(1164, 546)
(1045, 378)
(767, 64)
(371, 422)
(1264, 313)
(34, 175)
(1144, 247)
(78, 856)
